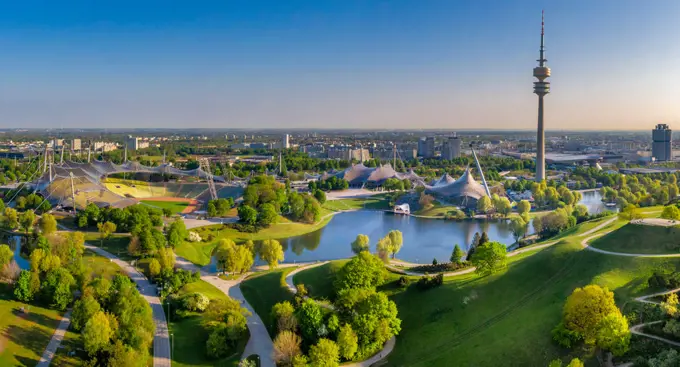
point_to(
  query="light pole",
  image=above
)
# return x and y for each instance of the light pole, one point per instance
(172, 345)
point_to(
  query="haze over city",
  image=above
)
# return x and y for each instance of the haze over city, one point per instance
(337, 64)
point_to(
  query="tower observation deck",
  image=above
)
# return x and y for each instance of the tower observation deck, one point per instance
(541, 88)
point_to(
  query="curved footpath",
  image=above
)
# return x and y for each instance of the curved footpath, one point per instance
(635, 329)
(161, 340)
(259, 343)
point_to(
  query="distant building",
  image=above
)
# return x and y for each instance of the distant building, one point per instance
(451, 147)
(75, 144)
(426, 147)
(662, 137)
(285, 142)
(57, 143)
(104, 146)
(348, 154)
(135, 143)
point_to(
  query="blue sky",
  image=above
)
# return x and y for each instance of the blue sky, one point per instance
(331, 64)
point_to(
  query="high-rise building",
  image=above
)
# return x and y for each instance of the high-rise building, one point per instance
(662, 139)
(541, 88)
(426, 147)
(135, 143)
(451, 147)
(75, 144)
(285, 143)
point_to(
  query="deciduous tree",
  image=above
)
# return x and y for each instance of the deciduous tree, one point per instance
(348, 342)
(97, 333)
(362, 271)
(361, 243)
(325, 353)
(489, 258)
(47, 224)
(286, 348)
(271, 252)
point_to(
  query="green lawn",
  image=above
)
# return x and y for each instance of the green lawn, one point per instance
(264, 291)
(175, 207)
(200, 252)
(508, 316)
(436, 210)
(96, 265)
(642, 239)
(24, 335)
(372, 202)
(189, 335)
(319, 280)
(117, 244)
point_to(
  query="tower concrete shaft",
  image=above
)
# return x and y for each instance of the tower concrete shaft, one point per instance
(541, 88)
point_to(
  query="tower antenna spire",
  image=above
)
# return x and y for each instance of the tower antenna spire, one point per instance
(541, 88)
(542, 60)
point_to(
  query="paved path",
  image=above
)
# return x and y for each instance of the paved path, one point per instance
(55, 342)
(289, 277)
(635, 329)
(260, 342)
(161, 340)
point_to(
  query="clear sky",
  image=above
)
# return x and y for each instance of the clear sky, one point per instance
(333, 64)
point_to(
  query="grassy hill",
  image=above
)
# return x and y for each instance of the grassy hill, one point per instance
(508, 317)
(641, 239)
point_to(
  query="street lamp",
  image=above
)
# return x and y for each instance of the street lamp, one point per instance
(172, 345)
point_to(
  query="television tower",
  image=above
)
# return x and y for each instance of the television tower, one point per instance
(541, 88)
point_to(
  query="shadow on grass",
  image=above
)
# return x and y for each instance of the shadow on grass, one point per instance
(31, 338)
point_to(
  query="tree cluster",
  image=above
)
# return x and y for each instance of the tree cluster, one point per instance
(329, 184)
(220, 207)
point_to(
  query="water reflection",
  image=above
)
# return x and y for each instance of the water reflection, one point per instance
(15, 243)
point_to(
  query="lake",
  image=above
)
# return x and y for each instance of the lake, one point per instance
(14, 242)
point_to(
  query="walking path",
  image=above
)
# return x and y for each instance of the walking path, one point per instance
(635, 329)
(161, 340)
(55, 342)
(260, 342)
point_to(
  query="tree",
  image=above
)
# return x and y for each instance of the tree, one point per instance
(247, 214)
(384, 247)
(47, 224)
(484, 205)
(83, 310)
(361, 243)
(23, 290)
(524, 206)
(518, 227)
(324, 354)
(348, 342)
(320, 196)
(284, 314)
(212, 209)
(286, 348)
(457, 255)
(613, 334)
(267, 215)
(6, 255)
(396, 241)
(489, 258)
(630, 212)
(106, 229)
(57, 288)
(166, 258)
(671, 212)
(310, 318)
(177, 232)
(26, 220)
(271, 252)
(11, 218)
(97, 333)
(154, 268)
(503, 206)
(590, 314)
(362, 271)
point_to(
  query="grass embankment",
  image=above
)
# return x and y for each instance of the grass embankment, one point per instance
(25, 335)
(200, 252)
(319, 280)
(375, 202)
(190, 336)
(436, 210)
(264, 290)
(641, 239)
(175, 207)
(117, 244)
(509, 316)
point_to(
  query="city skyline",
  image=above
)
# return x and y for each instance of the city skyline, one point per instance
(353, 65)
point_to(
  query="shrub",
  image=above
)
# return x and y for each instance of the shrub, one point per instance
(195, 302)
(403, 282)
(428, 282)
(194, 237)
